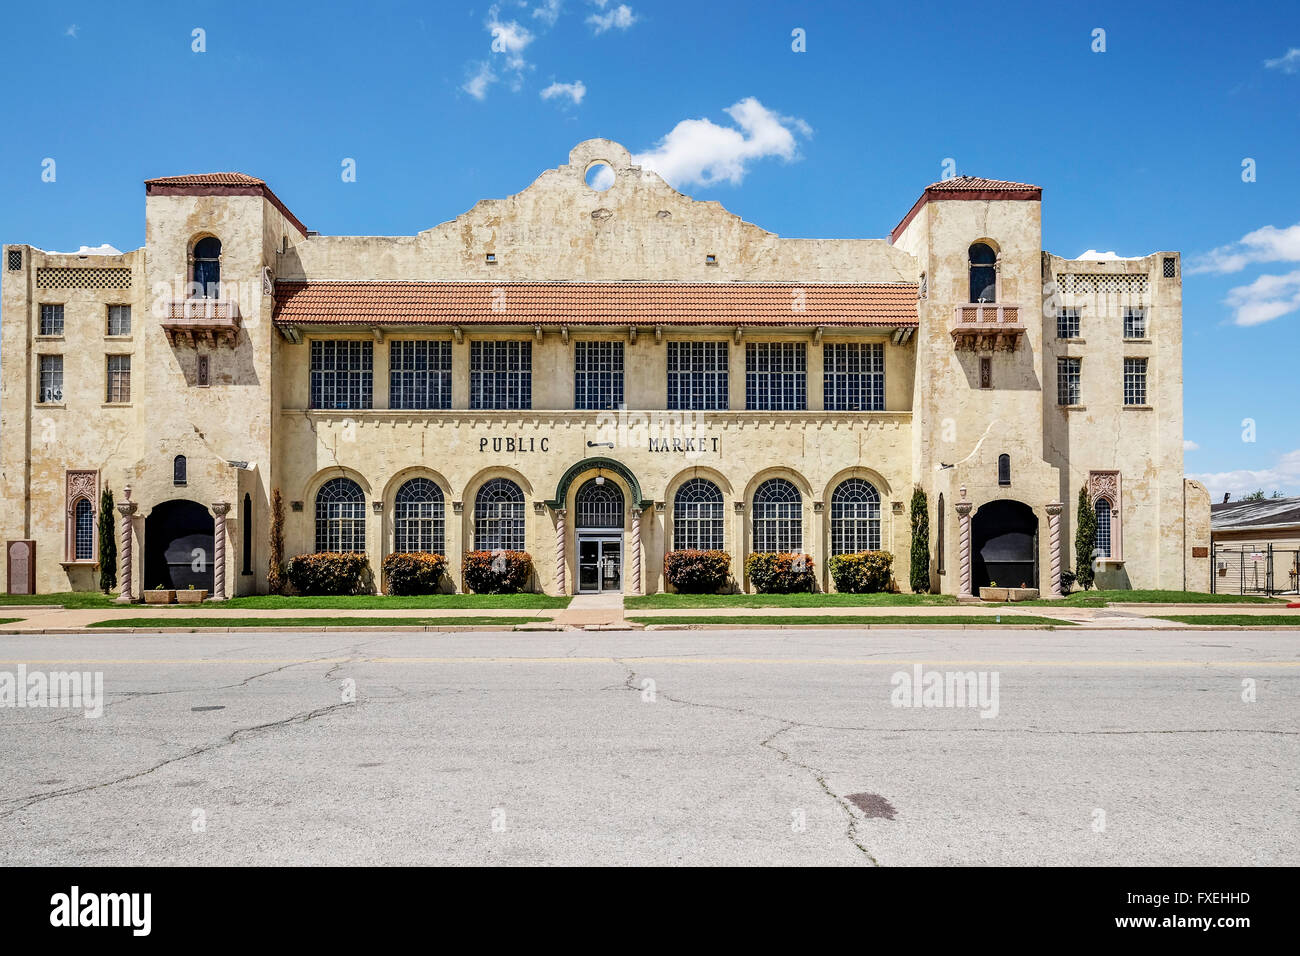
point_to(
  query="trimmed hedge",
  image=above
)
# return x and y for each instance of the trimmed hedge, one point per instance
(691, 571)
(772, 572)
(498, 572)
(413, 572)
(866, 572)
(330, 572)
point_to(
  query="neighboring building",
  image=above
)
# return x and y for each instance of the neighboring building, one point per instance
(1256, 546)
(462, 389)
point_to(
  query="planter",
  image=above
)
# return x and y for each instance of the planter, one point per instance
(197, 596)
(993, 594)
(159, 597)
(1008, 594)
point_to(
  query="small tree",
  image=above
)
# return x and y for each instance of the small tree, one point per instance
(920, 571)
(275, 572)
(107, 543)
(1085, 536)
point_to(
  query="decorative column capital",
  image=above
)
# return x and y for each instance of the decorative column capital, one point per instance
(963, 508)
(1054, 509)
(221, 508)
(126, 508)
(560, 513)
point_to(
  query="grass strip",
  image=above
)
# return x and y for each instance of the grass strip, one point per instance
(1250, 620)
(748, 620)
(198, 623)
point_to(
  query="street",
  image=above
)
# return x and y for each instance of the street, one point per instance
(810, 747)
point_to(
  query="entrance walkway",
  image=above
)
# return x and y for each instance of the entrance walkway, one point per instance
(592, 609)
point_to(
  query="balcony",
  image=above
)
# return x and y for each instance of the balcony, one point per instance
(987, 327)
(190, 321)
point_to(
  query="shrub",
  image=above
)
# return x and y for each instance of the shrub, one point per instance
(772, 572)
(275, 570)
(1084, 540)
(330, 572)
(866, 572)
(498, 572)
(414, 572)
(1067, 581)
(107, 543)
(691, 571)
(919, 576)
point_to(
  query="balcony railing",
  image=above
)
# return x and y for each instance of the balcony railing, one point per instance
(190, 321)
(986, 327)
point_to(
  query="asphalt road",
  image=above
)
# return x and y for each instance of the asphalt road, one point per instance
(746, 748)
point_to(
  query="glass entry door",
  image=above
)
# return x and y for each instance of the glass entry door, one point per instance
(600, 564)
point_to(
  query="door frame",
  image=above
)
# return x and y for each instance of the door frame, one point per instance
(601, 536)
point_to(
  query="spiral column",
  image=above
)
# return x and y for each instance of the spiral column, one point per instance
(220, 509)
(636, 552)
(963, 516)
(561, 586)
(1054, 533)
(126, 508)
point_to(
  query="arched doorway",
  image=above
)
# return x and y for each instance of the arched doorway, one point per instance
(598, 521)
(1004, 545)
(178, 546)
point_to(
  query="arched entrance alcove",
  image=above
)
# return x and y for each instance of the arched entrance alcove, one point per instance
(178, 546)
(598, 523)
(1004, 545)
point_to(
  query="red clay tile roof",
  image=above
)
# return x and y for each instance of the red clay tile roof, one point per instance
(206, 179)
(594, 303)
(968, 187)
(960, 183)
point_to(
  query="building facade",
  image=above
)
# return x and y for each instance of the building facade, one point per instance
(597, 377)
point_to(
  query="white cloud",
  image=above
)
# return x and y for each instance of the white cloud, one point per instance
(1288, 62)
(477, 85)
(1189, 445)
(71, 31)
(548, 12)
(508, 38)
(701, 151)
(1267, 298)
(1097, 256)
(1284, 476)
(620, 18)
(1267, 244)
(575, 91)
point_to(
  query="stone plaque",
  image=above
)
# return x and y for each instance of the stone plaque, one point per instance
(22, 567)
(1200, 552)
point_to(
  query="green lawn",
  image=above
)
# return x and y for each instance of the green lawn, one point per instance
(1251, 620)
(367, 602)
(177, 620)
(9, 620)
(1102, 598)
(748, 620)
(664, 602)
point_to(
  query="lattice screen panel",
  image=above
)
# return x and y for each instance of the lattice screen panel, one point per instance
(87, 278)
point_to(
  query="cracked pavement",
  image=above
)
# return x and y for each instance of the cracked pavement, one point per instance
(670, 748)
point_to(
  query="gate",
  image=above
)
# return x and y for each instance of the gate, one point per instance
(1259, 569)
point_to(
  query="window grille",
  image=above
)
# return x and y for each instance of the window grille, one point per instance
(51, 379)
(84, 530)
(697, 376)
(51, 320)
(855, 517)
(1067, 324)
(1170, 267)
(119, 378)
(778, 517)
(340, 516)
(599, 505)
(598, 375)
(776, 376)
(1102, 540)
(1068, 378)
(15, 260)
(1135, 381)
(418, 517)
(419, 374)
(203, 370)
(342, 373)
(854, 377)
(499, 516)
(82, 278)
(1092, 283)
(698, 516)
(1135, 323)
(501, 375)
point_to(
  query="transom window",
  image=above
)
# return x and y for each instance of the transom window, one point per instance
(1135, 381)
(1101, 542)
(119, 378)
(418, 517)
(698, 516)
(119, 320)
(778, 517)
(855, 517)
(419, 374)
(983, 273)
(83, 530)
(1068, 378)
(342, 373)
(499, 516)
(501, 375)
(1135, 323)
(340, 516)
(51, 379)
(207, 267)
(776, 376)
(1067, 324)
(180, 473)
(51, 320)
(1004, 469)
(597, 374)
(599, 505)
(697, 376)
(854, 377)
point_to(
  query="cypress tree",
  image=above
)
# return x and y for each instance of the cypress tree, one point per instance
(107, 543)
(920, 571)
(1085, 536)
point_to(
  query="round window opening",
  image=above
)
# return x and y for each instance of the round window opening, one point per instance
(600, 176)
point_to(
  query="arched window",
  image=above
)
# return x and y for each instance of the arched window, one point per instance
(1004, 469)
(1102, 540)
(179, 470)
(697, 516)
(499, 516)
(778, 517)
(418, 517)
(599, 505)
(983, 273)
(246, 535)
(83, 514)
(340, 516)
(207, 266)
(855, 517)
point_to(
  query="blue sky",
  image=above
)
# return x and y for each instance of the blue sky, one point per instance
(1138, 148)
